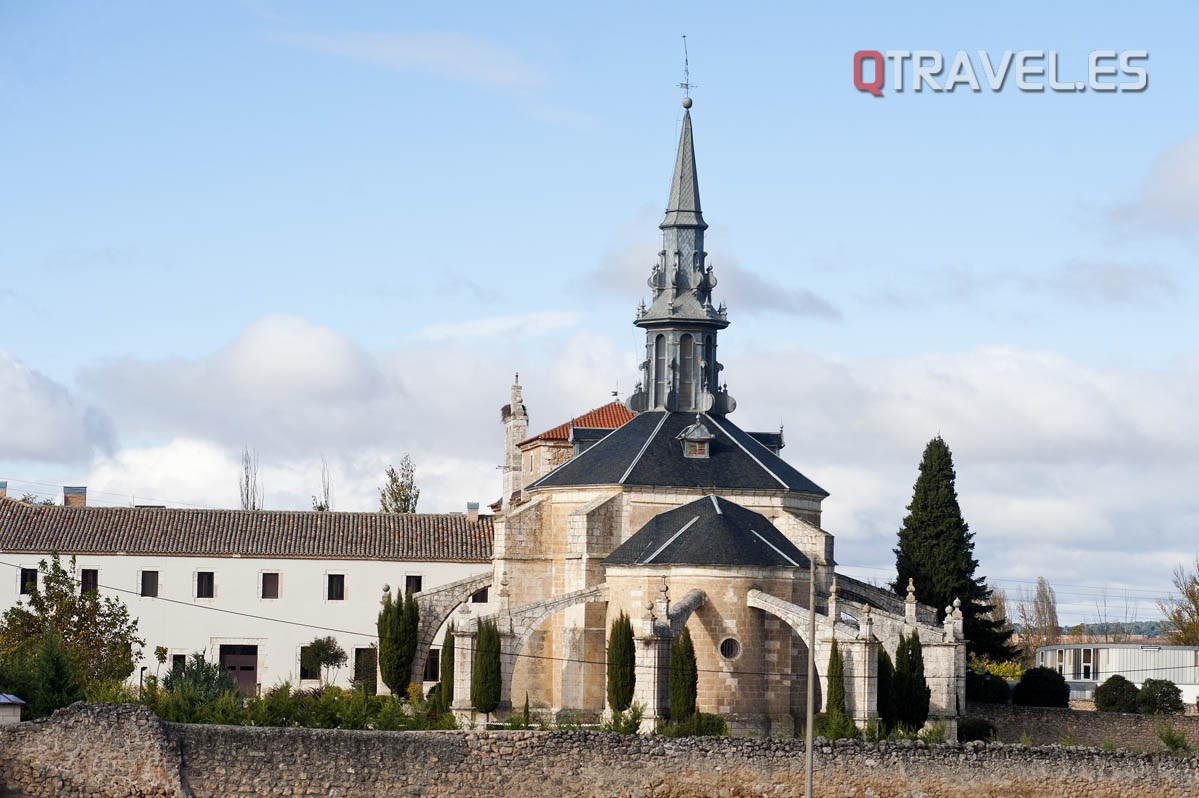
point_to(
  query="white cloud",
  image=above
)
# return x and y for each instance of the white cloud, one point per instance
(43, 420)
(528, 324)
(449, 55)
(1168, 201)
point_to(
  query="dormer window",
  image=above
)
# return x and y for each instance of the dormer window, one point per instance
(696, 439)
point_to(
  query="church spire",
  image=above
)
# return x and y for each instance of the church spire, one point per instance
(681, 372)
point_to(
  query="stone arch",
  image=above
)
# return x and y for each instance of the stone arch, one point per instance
(525, 620)
(680, 611)
(436, 606)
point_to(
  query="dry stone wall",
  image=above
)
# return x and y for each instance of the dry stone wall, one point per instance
(104, 750)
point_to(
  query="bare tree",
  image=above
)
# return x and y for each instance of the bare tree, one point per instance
(1038, 617)
(1182, 612)
(324, 502)
(998, 611)
(1107, 630)
(251, 491)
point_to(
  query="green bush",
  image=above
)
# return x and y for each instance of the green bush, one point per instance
(485, 678)
(970, 728)
(1041, 687)
(835, 726)
(698, 724)
(1117, 694)
(986, 688)
(1159, 697)
(911, 690)
(627, 722)
(886, 692)
(1172, 737)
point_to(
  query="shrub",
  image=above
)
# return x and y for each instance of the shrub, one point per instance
(1117, 694)
(445, 696)
(1159, 697)
(699, 724)
(628, 722)
(934, 733)
(986, 688)
(835, 726)
(1041, 687)
(1172, 737)
(970, 728)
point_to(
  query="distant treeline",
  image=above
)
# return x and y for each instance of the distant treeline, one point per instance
(1110, 631)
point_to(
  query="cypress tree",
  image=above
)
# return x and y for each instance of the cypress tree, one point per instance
(485, 677)
(447, 668)
(911, 690)
(936, 551)
(886, 691)
(621, 664)
(684, 678)
(388, 626)
(836, 683)
(409, 625)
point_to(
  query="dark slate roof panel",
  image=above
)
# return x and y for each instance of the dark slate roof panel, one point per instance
(710, 531)
(258, 533)
(645, 452)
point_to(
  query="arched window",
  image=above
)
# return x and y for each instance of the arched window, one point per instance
(659, 371)
(710, 361)
(686, 373)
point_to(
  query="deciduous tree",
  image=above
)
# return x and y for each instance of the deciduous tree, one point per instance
(96, 632)
(400, 494)
(1181, 613)
(936, 551)
(323, 654)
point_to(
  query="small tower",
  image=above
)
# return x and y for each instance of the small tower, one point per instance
(516, 429)
(681, 372)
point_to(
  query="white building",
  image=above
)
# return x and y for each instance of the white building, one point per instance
(1088, 665)
(250, 588)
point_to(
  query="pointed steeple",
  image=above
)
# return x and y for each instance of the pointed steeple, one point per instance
(683, 208)
(681, 372)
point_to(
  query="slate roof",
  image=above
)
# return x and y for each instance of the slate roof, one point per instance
(709, 531)
(610, 416)
(644, 452)
(258, 533)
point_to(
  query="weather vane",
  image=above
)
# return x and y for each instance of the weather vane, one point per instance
(686, 85)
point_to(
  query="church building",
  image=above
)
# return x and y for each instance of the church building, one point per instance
(671, 513)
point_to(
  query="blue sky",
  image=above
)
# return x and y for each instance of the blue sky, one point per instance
(338, 230)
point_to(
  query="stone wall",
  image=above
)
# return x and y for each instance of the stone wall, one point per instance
(91, 749)
(105, 750)
(1054, 726)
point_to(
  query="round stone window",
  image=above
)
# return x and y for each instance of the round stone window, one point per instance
(730, 648)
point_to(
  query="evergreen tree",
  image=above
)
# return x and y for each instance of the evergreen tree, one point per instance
(485, 677)
(409, 637)
(400, 494)
(56, 681)
(886, 691)
(835, 705)
(936, 551)
(621, 664)
(911, 690)
(447, 668)
(388, 626)
(684, 678)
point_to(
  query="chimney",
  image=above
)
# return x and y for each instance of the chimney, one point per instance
(472, 511)
(3, 489)
(74, 497)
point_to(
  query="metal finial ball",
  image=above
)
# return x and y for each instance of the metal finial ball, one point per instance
(686, 102)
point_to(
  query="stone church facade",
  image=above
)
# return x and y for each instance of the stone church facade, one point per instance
(674, 515)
